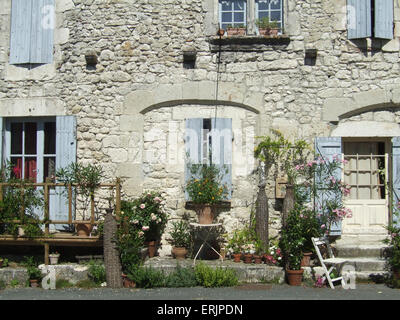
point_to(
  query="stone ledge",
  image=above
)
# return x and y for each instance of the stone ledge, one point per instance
(248, 43)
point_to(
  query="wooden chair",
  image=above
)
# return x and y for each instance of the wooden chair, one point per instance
(334, 263)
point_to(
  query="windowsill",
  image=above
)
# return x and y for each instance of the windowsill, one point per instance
(225, 204)
(247, 43)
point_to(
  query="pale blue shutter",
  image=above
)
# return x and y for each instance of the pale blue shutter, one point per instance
(327, 147)
(21, 24)
(383, 19)
(1, 141)
(193, 145)
(221, 149)
(65, 155)
(359, 19)
(42, 35)
(396, 175)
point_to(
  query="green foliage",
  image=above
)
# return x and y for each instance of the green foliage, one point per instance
(96, 272)
(63, 283)
(180, 234)
(292, 240)
(129, 243)
(181, 277)
(266, 23)
(393, 258)
(146, 277)
(14, 283)
(205, 185)
(218, 277)
(34, 273)
(5, 262)
(86, 284)
(147, 214)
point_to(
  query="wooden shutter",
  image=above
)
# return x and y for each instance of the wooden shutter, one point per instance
(383, 19)
(42, 35)
(221, 149)
(193, 145)
(396, 175)
(359, 19)
(21, 24)
(65, 155)
(2, 136)
(327, 147)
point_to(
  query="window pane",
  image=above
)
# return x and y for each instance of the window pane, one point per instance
(262, 5)
(275, 15)
(239, 5)
(30, 138)
(30, 168)
(17, 167)
(49, 167)
(262, 15)
(275, 4)
(227, 17)
(16, 138)
(239, 17)
(50, 138)
(227, 5)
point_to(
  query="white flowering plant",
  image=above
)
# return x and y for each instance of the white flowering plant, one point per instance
(147, 214)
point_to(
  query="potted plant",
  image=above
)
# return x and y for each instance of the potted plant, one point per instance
(236, 30)
(236, 243)
(259, 250)
(248, 251)
(273, 256)
(34, 273)
(54, 257)
(147, 215)
(292, 242)
(180, 239)
(267, 27)
(86, 179)
(206, 190)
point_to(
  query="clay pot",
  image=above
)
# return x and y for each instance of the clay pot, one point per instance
(152, 248)
(305, 261)
(236, 31)
(257, 259)
(34, 283)
(221, 32)
(294, 277)
(237, 257)
(83, 229)
(205, 214)
(54, 258)
(127, 283)
(248, 258)
(179, 253)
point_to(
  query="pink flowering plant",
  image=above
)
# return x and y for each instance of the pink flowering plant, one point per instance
(393, 256)
(147, 214)
(274, 256)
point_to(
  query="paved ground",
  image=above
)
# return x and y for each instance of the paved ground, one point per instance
(243, 292)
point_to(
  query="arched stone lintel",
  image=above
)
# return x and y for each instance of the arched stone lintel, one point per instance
(335, 109)
(203, 92)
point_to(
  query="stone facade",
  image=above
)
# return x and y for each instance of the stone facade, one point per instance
(134, 102)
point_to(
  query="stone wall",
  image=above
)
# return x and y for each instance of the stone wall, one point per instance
(139, 83)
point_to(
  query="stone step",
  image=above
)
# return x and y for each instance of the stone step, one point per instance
(360, 250)
(367, 263)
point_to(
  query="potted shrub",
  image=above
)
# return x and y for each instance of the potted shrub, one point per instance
(206, 190)
(34, 273)
(292, 242)
(259, 250)
(86, 179)
(236, 243)
(180, 239)
(248, 251)
(148, 216)
(267, 27)
(236, 30)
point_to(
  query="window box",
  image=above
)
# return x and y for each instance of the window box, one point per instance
(231, 31)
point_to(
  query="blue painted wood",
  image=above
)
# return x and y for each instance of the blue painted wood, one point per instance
(221, 149)
(21, 23)
(359, 19)
(383, 19)
(42, 35)
(193, 146)
(327, 147)
(2, 136)
(65, 155)
(396, 176)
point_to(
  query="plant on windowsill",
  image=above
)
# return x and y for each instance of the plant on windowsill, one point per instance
(236, 30)
(206, 190)
(86, 179)
(267, 27)
(180, 239)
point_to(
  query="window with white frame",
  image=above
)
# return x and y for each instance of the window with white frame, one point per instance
(232, 13)
(239, 12)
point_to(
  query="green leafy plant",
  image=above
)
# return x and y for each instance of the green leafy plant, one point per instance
(393, 252)
(63, 283)
(129, 242)
(34, 273)
(205, 185)
(147, 277)
(218, 277)
(96, 272)
(265, 23)
(180, 234)
(181, 277)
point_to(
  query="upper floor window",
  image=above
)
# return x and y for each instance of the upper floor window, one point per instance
(32, 31)
(232, 13)
(271, 9)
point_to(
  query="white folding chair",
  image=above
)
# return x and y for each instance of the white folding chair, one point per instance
(335, 263)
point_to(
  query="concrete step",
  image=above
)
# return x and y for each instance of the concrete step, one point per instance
(360, 250)
(367, 264)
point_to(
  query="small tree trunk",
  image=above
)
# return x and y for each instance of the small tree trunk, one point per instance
(111, 254)
(262, 211)
(288, 203)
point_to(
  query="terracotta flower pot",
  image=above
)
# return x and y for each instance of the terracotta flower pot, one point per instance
(257, 259)
(205, 214)
(236, 31)
(1, 263)
(305, 261)
(152, 248)
(83, 229)
(179, 253)
(294, 277)
(237, 257)
(396, 274)
(248, 258)
(34, 283)
(127, 283)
